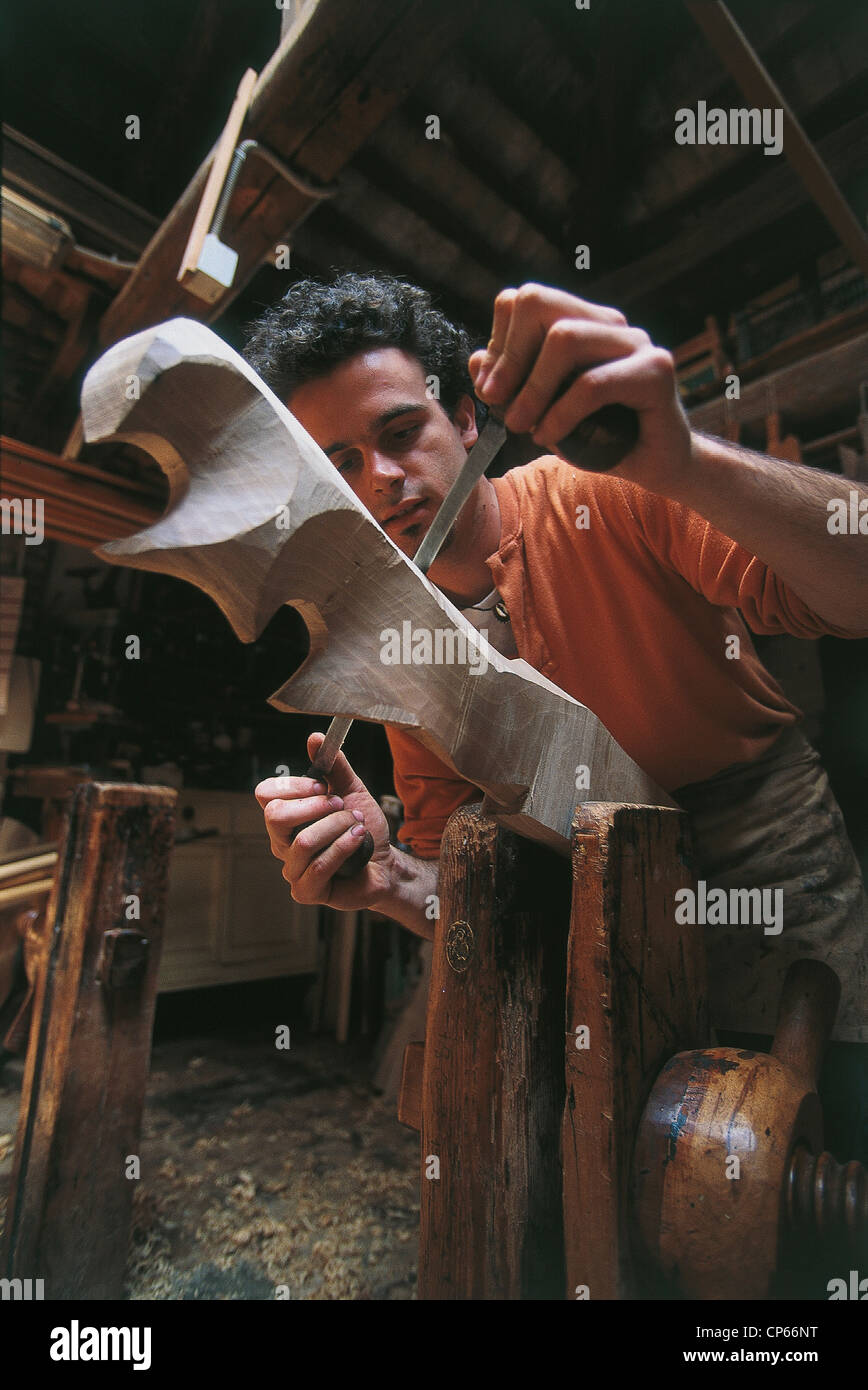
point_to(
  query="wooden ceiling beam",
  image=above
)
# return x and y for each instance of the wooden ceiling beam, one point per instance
(729, 222)
(340, 70)
(486, 132)
(26, 311)
(741, 60)
(51, 182)
(457, 201)
(332, 242)
(403, 233)
(671, 176)
(549, 84)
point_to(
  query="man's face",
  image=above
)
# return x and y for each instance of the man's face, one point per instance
(397, 450)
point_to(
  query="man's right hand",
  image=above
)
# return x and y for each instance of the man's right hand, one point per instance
(335, 824)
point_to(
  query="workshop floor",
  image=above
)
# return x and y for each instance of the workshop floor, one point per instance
(263, 1168)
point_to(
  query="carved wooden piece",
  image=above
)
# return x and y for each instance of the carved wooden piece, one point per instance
(492, 1088)
(259, 516)
(713, 1229)
(69, 1204)
(636, 982)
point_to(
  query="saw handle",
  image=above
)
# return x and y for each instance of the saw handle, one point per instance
(359, 857)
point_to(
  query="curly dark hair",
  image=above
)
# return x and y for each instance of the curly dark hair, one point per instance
(318, 325)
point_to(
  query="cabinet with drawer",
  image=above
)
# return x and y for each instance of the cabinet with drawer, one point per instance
(230, 915)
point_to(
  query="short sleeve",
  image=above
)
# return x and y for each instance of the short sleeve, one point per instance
(429, 792)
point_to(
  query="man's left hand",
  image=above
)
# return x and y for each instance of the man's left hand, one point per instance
(554, 359)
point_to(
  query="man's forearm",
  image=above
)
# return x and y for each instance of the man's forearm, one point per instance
(780, 512)
(412, 896)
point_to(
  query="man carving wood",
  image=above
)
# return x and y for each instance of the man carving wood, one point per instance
(634, 591)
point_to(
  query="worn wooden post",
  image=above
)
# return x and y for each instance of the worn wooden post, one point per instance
(493, 1080)
(68, 1210)
(636, 994)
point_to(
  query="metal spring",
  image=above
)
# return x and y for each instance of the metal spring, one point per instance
(304, 185)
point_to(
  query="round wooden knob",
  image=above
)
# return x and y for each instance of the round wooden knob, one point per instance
(720, 1146)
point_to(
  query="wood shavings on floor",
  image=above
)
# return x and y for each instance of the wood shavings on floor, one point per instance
(272, 1175)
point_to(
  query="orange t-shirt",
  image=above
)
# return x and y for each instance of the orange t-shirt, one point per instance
(630, 615)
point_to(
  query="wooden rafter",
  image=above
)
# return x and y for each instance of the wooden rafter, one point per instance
(339, 71)
(458, 198)
(730, 221)
(83, 505)
(731, 45)
(52, 182)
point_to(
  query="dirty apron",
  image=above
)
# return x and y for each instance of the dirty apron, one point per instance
(774, 823)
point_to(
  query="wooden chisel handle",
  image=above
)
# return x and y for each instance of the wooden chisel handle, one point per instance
(359, 857)
(603, 439)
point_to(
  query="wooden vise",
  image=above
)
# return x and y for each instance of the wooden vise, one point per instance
(578, 1138)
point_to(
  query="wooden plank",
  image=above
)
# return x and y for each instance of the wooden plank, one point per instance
(224, 150)
(82, 505)
(16, 448)
(487, 132)
(680, 179)
(456, 201)
(69, 356)
(27, 851)
(69, 1204)
(11, 602)
(841, 328)
(804, 391)
(830, 441)
(636, 982)
(739, 57)
(76, 523)
(25, 892)
(22, 870)
(51, 180)
(102, 501)
(492, 1091)
(338, 72)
